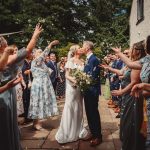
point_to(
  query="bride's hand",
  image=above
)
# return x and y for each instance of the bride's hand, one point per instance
(74, 84)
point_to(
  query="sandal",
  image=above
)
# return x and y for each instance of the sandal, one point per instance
(38, 128)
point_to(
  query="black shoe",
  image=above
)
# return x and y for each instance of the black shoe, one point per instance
(22, 115)
(28, 121)
(118, 116)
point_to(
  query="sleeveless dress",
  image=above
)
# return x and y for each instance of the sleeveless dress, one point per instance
(131, 118)
(71, 125)
(42, 99)
(9, 132)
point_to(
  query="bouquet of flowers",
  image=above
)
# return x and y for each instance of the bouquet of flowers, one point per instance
(83, 80)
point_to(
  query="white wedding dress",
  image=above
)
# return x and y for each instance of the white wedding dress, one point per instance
(71, 125)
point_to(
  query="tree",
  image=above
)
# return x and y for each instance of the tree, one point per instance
(105, 22)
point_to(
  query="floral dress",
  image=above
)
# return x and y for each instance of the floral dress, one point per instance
(61, 84)
(145, 78)
(19, 94)
(42, 99)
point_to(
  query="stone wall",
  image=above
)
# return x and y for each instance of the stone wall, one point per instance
(140, 31)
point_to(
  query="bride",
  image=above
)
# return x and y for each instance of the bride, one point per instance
(71, 125)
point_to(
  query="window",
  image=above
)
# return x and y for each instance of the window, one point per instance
(140, 10)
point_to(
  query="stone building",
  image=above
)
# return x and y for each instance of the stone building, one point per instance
(139, 21)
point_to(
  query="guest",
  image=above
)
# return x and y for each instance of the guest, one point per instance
(42, 99)
(107, 93)
(19, 88)
(58, 68)
(131, 110)
(114, 80)
(53, 65)
(5, 55)
(61, 82)
(19, 94)
(47, 59)
(65, 60)
(9, 133)
(142, 64)
(27, 76)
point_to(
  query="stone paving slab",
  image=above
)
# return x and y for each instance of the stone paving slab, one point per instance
(31, 134)
(27, 144)
(52, 143)
(104, 146)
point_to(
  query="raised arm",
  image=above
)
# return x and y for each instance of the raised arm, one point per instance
(117, 71)
(31, 44)
(131, 64)
(48, 48)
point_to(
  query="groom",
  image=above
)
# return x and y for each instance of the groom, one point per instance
(91, 96)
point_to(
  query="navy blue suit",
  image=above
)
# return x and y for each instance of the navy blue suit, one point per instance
(91, 97)
(54, 74)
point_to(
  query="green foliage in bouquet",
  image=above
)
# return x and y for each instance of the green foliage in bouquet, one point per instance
(83, 80)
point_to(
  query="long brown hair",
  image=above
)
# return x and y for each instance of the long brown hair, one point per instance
(138, 51)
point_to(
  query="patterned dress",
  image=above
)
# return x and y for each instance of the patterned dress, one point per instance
(61, 85)
(145, 78)
(131, 118)
(19, 94)
(9, 133)
(42, 99)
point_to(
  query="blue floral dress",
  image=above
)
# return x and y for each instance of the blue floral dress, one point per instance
(145, 78)
(42, 99)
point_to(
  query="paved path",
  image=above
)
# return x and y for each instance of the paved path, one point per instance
(40, 140)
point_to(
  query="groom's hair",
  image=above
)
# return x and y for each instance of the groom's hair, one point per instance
(90, 44)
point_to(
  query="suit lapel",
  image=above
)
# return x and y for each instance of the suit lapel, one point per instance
(52, 65)
(90, 58)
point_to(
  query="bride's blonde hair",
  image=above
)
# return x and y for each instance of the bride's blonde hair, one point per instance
(72, 50)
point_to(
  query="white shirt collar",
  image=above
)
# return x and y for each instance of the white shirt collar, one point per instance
(89, 55)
